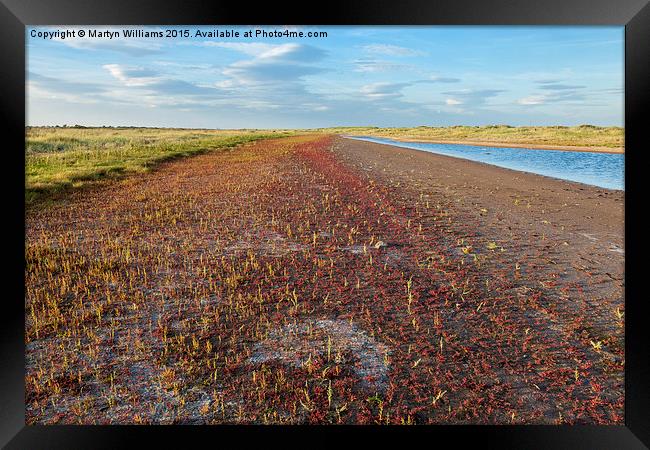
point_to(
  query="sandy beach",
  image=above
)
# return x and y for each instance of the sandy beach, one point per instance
(544, 224)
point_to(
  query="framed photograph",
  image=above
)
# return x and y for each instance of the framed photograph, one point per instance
(394, 221)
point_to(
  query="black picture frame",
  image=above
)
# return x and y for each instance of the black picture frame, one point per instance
(15, 15)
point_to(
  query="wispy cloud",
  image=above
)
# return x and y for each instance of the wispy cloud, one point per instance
(439, 79)
(559, 86)
(59, 85)
(151, 82)
(248, 48)
(385, 90)
(130, 46)
(391, 50)
(376, 65)
(554, 91)
(382, 90)
(471, 97)
(40, 86)
(132, 76)
(272, 65)
(532, 100)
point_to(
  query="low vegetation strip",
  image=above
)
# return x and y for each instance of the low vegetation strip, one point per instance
(64, 157)
(579, 136)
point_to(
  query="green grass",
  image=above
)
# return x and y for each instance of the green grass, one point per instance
(57, 159)
(583, 135)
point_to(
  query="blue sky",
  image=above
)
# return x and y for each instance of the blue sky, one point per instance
(379, 76)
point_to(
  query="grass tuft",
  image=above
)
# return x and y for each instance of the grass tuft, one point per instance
(57, 159)
(579, 136)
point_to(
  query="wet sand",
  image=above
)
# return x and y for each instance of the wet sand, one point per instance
(547, 227)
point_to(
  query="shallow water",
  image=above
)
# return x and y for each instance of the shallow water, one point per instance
(604, 170)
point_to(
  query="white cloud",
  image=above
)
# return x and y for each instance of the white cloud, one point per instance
(473, 97)
(131, 46)
(439, 79)
(280, 51)
(453, 102)
(260, 105)
(391, 50)
(373, 65)
(532, 100)
(282, 65)
(248, 48)
(37, 91)
(381, 91)
(45, 87)
(132, 76)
